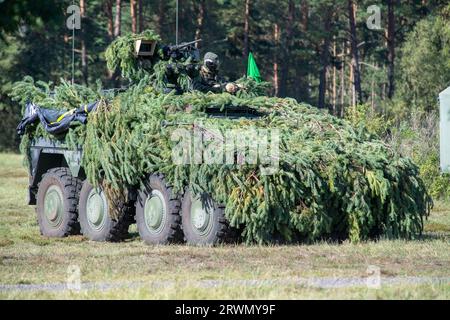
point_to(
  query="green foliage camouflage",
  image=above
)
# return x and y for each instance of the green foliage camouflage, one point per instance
(250, 88)
(65, 96)
(333, 181)
(120, 55)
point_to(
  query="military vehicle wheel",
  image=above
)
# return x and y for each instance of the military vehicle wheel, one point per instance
(157, 212)
(203, 220)
(57, 203)
(95, 221)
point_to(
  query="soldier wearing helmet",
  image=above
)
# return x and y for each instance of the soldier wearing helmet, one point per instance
(209, 80)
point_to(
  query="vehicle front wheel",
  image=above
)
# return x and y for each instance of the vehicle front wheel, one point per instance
(95, 220)
(57, 203)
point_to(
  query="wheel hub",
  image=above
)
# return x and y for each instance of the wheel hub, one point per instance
(200, 216)
(53, 205)
(155, 211)
(96, 209)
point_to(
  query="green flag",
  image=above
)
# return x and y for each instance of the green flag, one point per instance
(252, 69)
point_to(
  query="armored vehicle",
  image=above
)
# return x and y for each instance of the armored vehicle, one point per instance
(101, 162)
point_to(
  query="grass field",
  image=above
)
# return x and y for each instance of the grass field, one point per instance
(135, 270)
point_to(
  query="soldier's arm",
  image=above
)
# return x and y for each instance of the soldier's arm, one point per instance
(199, 85)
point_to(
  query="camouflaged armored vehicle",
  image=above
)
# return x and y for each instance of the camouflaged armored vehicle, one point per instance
(330, 180)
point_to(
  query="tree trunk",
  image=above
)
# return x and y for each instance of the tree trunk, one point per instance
(343, 80)
(372, 95)
(246, 28)
(141, 15)
(351, 89)
(161, 15)
(118, 22)
(84, 63)
(304, 15)
(334, 91)
(181, 17)
(354, 51)
(324, 60)
(390, 36)
(133, 16)
(200, 20)
(287, 46)
(107, 8)
(276, 78)
(113, 75)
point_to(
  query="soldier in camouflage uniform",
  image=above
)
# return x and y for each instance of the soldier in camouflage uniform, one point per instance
(209, 80)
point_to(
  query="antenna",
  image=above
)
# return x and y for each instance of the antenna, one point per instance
(73, 48)
(176, 25)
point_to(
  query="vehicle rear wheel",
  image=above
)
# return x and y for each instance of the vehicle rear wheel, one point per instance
(203, 221)
(157, 212)
(95, 220)
(57, 203)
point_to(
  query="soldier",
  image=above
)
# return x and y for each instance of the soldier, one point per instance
(209, 80)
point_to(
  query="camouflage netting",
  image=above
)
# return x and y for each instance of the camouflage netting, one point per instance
(333, 181)
(120, 55)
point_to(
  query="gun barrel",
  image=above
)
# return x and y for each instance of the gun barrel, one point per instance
(193, 42)
(183, 45)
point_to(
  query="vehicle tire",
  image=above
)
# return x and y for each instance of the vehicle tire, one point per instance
(57, 203)
(204, 222)
(95, 221)
(157, 212)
